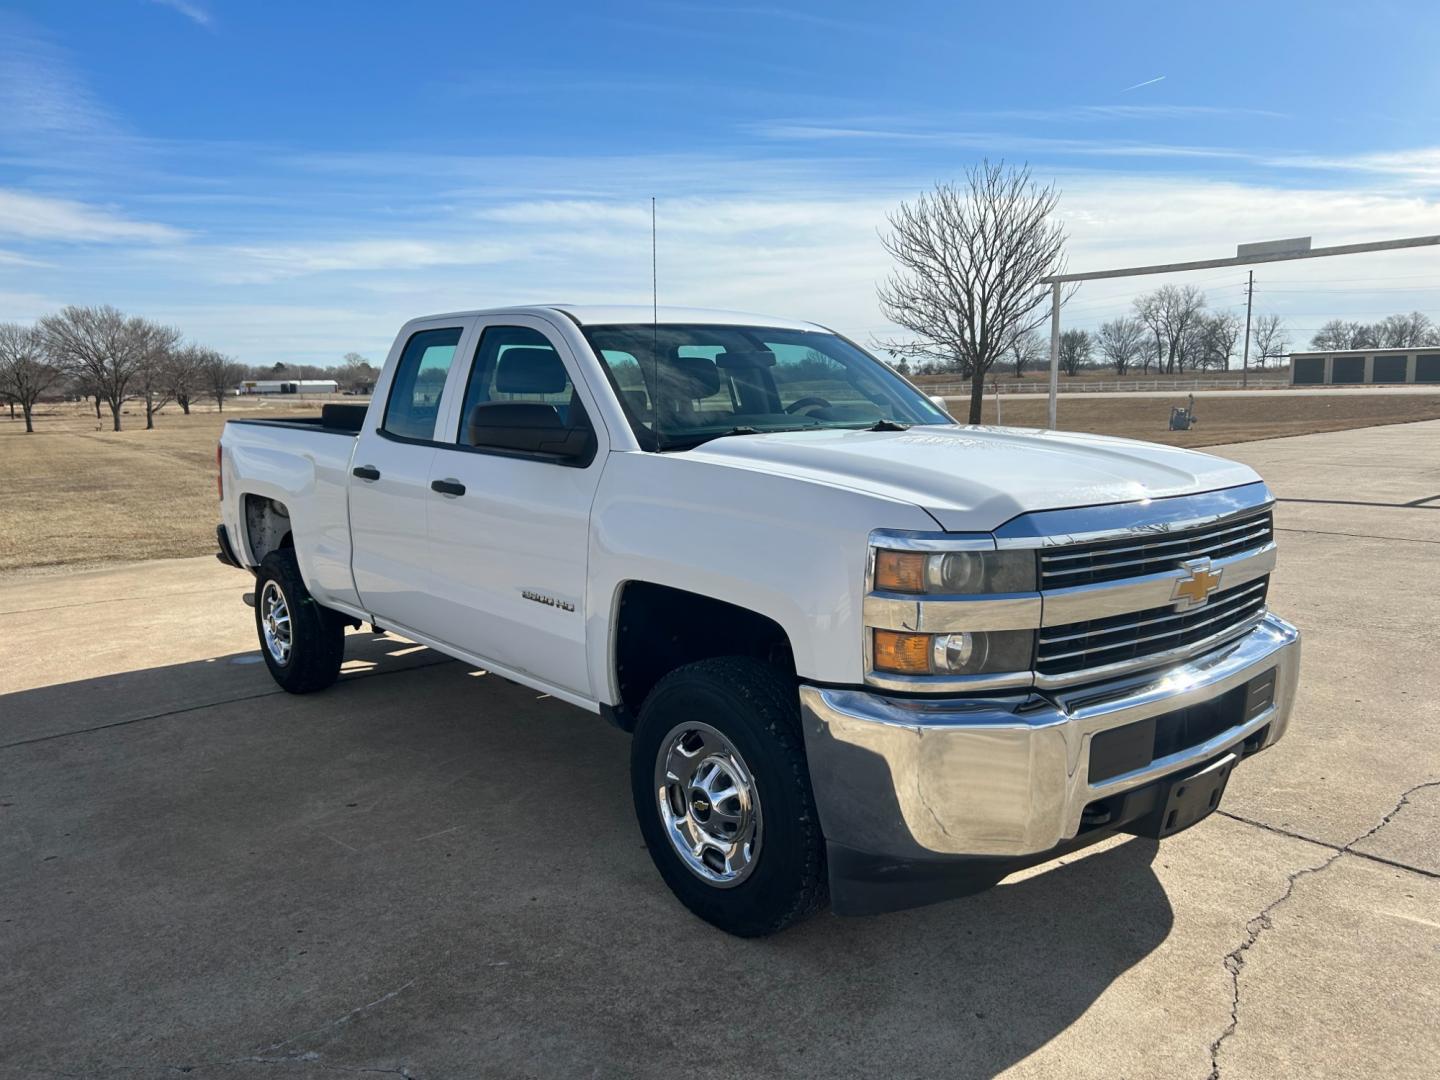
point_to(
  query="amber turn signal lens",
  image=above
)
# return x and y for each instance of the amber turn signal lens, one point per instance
(900, 571)
(902, 654)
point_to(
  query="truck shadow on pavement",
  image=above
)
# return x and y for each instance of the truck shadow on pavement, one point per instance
(432, 869)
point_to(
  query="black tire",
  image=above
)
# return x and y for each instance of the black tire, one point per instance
(754, 706)
(317, 634)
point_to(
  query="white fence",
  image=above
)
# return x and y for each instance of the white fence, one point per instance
(1041, 385)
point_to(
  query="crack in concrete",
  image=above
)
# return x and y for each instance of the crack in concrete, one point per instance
(1235, 958)
(1368, 856)
(263, 1056)
(360, 1010)
(1358, 536)
(309, 1059)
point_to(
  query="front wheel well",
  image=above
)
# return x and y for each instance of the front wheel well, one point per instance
(659, 628)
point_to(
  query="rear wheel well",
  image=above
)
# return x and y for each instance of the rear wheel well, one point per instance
(267, 526)
(659, 628)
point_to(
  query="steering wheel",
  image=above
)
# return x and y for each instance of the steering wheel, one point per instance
(807, 403)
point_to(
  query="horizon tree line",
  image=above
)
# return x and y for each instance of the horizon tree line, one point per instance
(100, 354)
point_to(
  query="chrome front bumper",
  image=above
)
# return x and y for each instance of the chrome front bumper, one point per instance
(1008, 775)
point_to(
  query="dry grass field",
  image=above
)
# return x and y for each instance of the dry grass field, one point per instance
(1223, 419)
(76, 493)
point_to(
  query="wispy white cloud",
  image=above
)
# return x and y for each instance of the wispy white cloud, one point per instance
(42, 95)
(14, 258)
(993, 141)
(1147, 82)
(259, 264)
(25, 307)
(38, 217)
(191, 10)
(1072, 113)
(1418, 166)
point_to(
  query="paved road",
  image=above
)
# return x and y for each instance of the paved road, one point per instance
(1432, 389)
(433, 873)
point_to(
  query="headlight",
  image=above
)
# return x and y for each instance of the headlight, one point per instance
(971, 652)
(954, 573)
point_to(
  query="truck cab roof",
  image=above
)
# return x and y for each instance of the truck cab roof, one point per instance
(611, 314)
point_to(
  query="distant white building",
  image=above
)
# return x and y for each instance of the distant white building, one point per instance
(288, 386)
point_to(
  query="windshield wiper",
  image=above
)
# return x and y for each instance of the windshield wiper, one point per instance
(699, 439)
(886, 425)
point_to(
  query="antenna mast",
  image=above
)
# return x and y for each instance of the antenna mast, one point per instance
(654, 331)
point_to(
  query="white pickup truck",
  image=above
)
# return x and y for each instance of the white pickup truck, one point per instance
(869, 656)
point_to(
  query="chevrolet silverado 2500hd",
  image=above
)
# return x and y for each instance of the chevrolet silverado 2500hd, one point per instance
(869, 656)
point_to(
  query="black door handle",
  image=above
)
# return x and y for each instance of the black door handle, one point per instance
(447, 487)
(366, 472)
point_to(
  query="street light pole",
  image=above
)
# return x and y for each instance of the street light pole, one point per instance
(1054, 349)
(1245, 362)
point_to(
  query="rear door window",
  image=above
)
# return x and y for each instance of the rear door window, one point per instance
(414, 402)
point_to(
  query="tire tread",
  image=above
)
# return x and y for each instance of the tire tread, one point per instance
(770, 695)
(317, 634)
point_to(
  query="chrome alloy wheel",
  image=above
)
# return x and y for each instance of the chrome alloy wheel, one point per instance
(275, 622)
(708, 804)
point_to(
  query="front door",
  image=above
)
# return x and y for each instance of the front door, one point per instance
(390, 480)
(509, 527)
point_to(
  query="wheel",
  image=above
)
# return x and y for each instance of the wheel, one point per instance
(722, 794)
(303, 643)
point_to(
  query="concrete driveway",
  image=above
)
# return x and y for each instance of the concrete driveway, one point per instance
(433, 873)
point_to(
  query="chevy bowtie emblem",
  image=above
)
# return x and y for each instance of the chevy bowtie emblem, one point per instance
(1195, 588)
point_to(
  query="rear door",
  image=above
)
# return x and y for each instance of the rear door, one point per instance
(509, 529)
(390, 476)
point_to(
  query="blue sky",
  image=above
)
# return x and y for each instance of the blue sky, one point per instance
(289, 181)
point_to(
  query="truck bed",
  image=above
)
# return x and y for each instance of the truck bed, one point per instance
(333, 420)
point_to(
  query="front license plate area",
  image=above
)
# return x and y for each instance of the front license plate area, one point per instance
(1186, 800)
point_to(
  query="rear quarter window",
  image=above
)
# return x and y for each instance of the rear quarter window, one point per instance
(414, 401)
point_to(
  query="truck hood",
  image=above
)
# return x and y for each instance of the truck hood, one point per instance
(974, 479)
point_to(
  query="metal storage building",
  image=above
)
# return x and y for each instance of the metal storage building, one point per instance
(1360, 366)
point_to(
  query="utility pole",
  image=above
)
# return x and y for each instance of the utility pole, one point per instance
(1249, 302)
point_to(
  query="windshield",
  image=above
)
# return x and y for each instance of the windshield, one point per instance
(696, 383)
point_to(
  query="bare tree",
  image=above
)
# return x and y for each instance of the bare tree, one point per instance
(1075, 346)
(25, 370)
(1026, 350)
(157, 345)
(101, 346)
(1214, 340)
(355, 373)
(220, 375)
(969, 263)
(1271, 341)
(184, 375)
(1147, 310)
(1405, 331)
(1337, 335)
(1177, 309)
(1122, 342)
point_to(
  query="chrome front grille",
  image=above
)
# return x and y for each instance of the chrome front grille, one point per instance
(1131, 556)
(1153, 634)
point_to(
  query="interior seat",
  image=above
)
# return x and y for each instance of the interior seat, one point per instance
(521, 369)
(683, 382)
